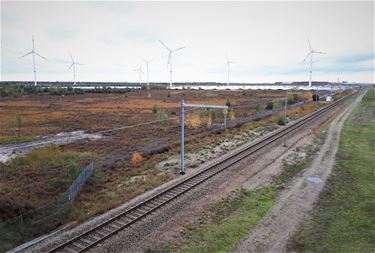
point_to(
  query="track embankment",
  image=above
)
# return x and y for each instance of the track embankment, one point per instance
(294, 203)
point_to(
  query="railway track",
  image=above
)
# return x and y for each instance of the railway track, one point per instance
(99, 233)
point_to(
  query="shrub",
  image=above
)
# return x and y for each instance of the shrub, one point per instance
(259, 108)
(281, 121)
(315, 97)
(202, 113)
(307, 95)
(136, 158)
(193, 121)
(232, 115)
(163, 117)
(269, 105)
(58, 183)
(154, 109)
(295, 98)
(213, 116)
(228, 103)
(73, 169)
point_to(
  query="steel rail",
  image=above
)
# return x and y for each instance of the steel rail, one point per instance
(100, 232)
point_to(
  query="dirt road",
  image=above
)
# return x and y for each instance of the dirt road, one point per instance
(295, 202)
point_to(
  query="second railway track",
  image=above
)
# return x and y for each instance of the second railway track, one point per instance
(99, 233)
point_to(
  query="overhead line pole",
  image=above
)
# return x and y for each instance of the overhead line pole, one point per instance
(183, 105)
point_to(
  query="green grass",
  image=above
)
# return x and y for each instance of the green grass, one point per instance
(228, 228)
(344, 220)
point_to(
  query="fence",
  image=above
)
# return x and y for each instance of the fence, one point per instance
(28, 225)
(259, 116)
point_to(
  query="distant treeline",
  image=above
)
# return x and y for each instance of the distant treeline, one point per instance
(21, 90)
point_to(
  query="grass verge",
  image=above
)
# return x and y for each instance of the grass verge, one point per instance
(344, 219)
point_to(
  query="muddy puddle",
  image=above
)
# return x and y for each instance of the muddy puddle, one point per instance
(11, 151)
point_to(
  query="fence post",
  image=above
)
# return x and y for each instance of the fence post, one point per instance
(21, 222)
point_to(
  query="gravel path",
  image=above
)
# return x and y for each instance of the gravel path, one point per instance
(295, 202)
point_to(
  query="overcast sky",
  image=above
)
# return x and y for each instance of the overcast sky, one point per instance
(266, 40)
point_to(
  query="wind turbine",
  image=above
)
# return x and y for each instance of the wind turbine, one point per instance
(74, 67)
(140, 74)
(33, 53)
(228, 66)
(147, 61)
(311, 55)
(170, 60)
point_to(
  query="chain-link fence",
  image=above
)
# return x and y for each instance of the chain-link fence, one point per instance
(28, 225)
(258, 116)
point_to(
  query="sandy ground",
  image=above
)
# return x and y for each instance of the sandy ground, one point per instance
(295, 202)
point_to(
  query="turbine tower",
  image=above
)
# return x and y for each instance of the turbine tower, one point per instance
(140, 74)
(147, 61)
(74, 67)
(228, 66)
(171, 51)
(311, 55)
(33, 53)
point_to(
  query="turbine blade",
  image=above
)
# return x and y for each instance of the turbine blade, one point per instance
(309, 44)
(307, 56)
(40, 56)
(165, 45)
(178, 49)
(71, 57)
(25, 54)
(71, 66)
(319, 52)
(77, 63)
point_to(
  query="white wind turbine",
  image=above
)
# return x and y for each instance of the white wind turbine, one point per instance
(139, 70)
(74, 67)
(311, 55)
(147, 61)
(170, 60)
(228, 66)
(33, 53)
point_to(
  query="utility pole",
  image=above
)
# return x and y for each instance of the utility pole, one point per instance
(286, 104)
(183, 105)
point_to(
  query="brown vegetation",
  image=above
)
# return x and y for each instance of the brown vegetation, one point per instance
(117, 177)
